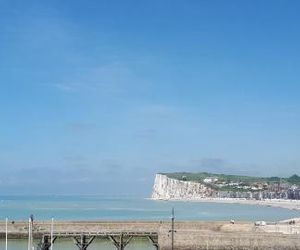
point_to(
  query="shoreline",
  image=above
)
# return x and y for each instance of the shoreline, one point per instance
(279, 203)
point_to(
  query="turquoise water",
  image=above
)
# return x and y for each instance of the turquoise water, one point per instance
(128, 208)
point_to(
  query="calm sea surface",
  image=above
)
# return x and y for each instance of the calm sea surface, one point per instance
(124, 208)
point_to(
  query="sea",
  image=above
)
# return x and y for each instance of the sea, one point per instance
(125, 208)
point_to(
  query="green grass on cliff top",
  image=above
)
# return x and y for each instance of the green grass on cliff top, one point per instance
(199, 177)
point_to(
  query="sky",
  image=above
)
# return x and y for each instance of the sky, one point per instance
(98, 96)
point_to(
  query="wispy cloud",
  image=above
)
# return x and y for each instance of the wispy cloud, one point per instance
(223, 166)
(209, 164)
(111, 79)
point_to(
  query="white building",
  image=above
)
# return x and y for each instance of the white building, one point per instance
(210, 180)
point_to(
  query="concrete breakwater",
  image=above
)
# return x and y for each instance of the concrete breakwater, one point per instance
(189, 235)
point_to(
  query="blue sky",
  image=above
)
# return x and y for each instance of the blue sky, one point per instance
(98, 96)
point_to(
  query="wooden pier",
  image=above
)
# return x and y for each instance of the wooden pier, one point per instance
(83, 233)
(83, 239)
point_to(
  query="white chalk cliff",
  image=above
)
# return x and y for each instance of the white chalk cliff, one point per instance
(165, 188)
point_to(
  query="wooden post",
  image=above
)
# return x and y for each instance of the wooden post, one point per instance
(122, 242)
(51, 233)
(46, 244)
(172, 231)
(173, 218)
(29, 235)
(84, 242)
(6, 233)
(154, 242)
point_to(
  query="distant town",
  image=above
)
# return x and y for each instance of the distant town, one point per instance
(247, 187)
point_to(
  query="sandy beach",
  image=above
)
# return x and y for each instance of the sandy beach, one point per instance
(287, 204)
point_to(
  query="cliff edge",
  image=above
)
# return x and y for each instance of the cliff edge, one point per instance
(166, 188)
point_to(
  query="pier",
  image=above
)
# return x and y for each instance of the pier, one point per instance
(83, 240)
(81, 233)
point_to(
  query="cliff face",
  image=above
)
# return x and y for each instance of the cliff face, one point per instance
(165, 188)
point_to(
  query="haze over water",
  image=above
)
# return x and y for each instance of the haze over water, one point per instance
(129, 208)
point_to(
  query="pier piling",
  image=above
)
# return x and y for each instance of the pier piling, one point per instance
(46, 243)
(83, 241)
(120, 242)
(154, 242)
